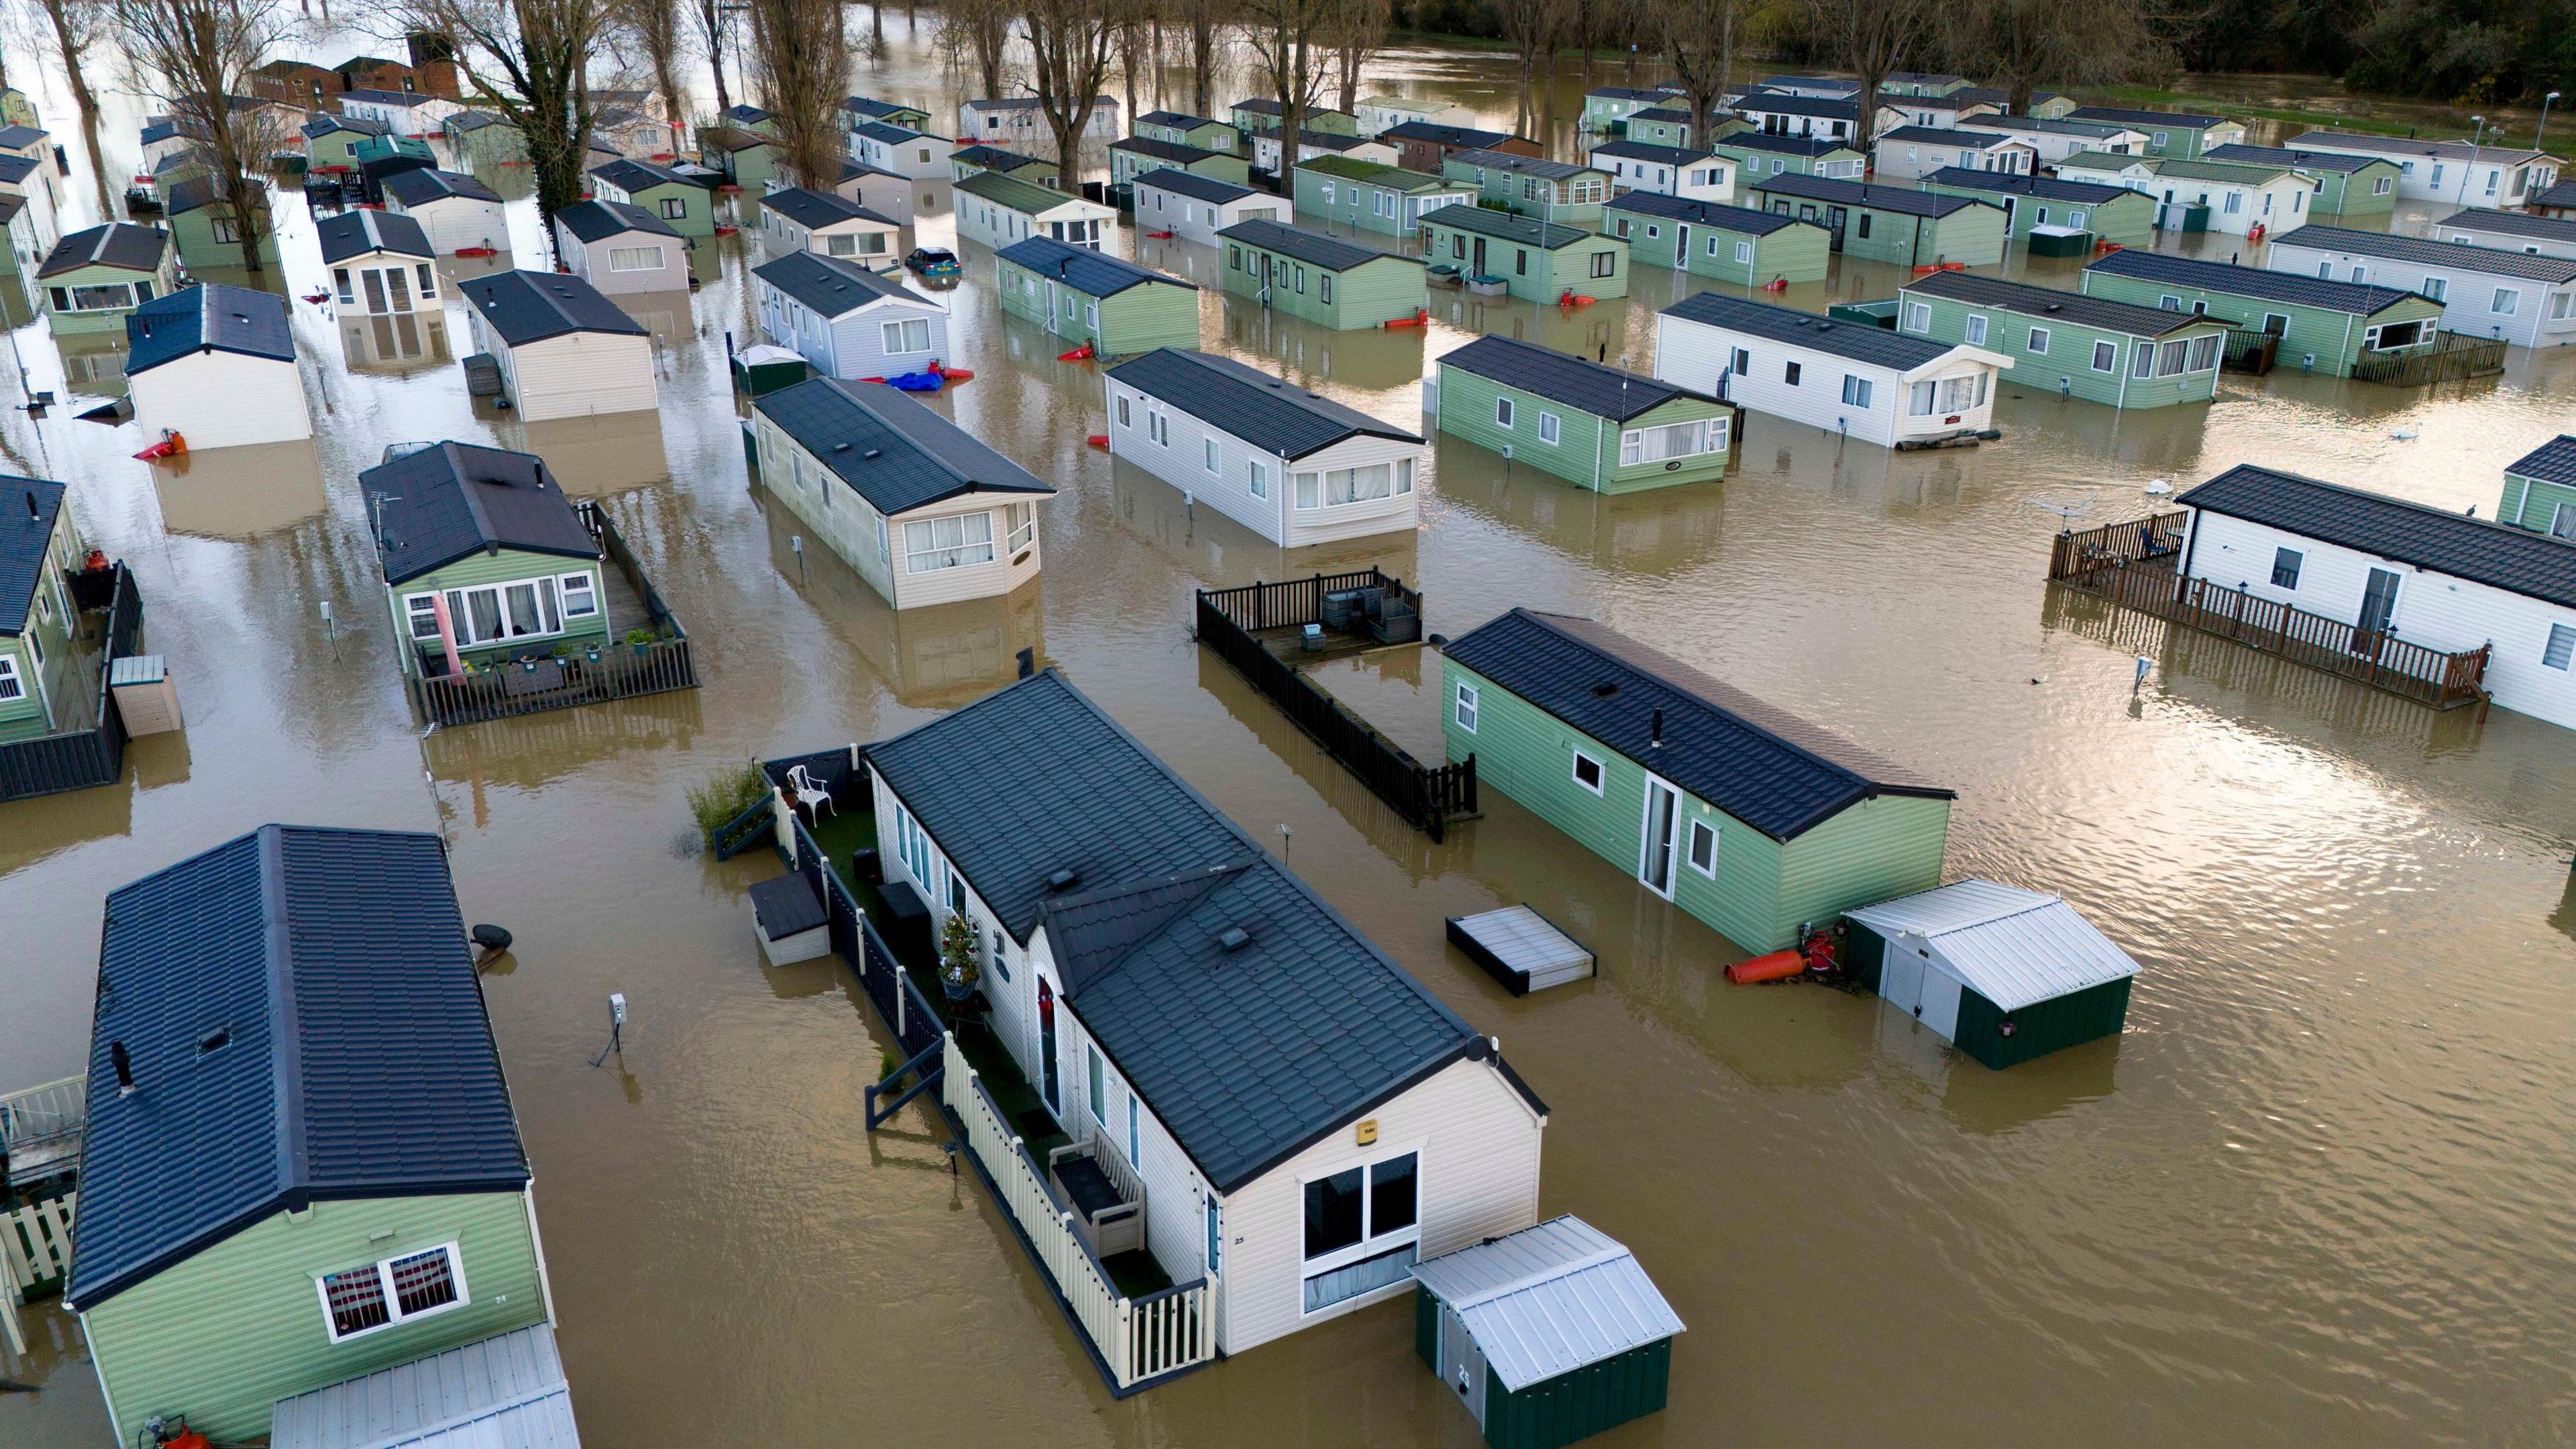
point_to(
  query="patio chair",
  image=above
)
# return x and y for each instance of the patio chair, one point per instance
(810, 797)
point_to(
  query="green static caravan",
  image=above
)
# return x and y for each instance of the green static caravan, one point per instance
(685, 206)
(1085, 296)
(968, 161)
(2540, 489)
(1136, 155)
(1537, 261)
(748, 159)
(1370, 196)
(297, 1013)
(2346, 186)
(1606, 109)
(204, 229)
(1186, 130)
(484, 559)
(1888, 223)
(998, 210)
(2111, 213)
(2002, 974)
(1727, 243)
(331, 141)
(1557, 191)
(483, 140)
(1751, 820)
(1588, 423)
(861, 110)
(93, 278)
(1322, 279)
(2324, 326)
(1757, 155)
(2178, 135)
(1662, 126)
(1261, 113)
(37, 614)
(2115, 353)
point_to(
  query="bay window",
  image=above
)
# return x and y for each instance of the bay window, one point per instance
(947, 543)
(1361, 1229)
(481, 615)
(1021, 522)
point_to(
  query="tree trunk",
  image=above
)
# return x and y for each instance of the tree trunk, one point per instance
(1202, 58)
(711, 21)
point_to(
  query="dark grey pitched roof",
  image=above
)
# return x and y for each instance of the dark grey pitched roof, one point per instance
(597, 220)
(1947, 136)
(2052, 302)
(2559, 196)
(1273, 415)
(2242, 153)
(2046, 188)
(1676, 156)
(446, 502)
(1587, 386)
(1742, 219)
(1433, 131)
(2171, 120)
(1311, 247)
(632, 177)
(1902, 200)
(408, 100)
(1626, 93)
(14, 169)
(1666, 115)
(994, 158)
(117, 244)
(870, 106)
(187, 196)
(2513, 223)
(2478, 549)
(14, 137)
(363, 229)
(831, 285)
(478, 120)
(2425, 252)
(209, 316)
(814, 210)
(890, 134)
(1181, 119)
(1485, 221)
(892, 451)
(28, 508)
(1161, 150)
(2551, 462)
(1784, 104)
(527, 307)
(1096, 274)
(747, 114)
(415, 188)
(1764, 766)
(358, 1061)
(1807, 146)
(1857, 341)
(1194, 186)
(2353, 297)
(1246, 1056)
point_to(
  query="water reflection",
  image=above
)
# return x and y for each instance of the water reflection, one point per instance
(1220, 552)
(93, 363)
(241, 492)
(1375, 369)
(1656, 532)
(594, 456)
(397, 345)
(472, 764)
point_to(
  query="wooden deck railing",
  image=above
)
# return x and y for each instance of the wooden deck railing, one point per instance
(2452, 358)
(1138, 1340)
(2153, 536)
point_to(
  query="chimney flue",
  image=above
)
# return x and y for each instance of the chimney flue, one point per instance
(1655, 725)
(124, 1064)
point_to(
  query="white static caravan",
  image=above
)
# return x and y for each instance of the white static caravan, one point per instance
(1910, 153)
(2527, 300)
(1296, 468)
(880, 191)
(798, 220)
(454, 210)
(564, 350)
(41, 217)
(923, 510)
(2055, 141)
(914, 155)
(1298, 1120)
(847, 321)
(999, 211)
(2512, 231)
(2240, 197)
(402, 113)
(1266, 149)
(621, 248)
(216, 365)
(1865, 382)
(2447, 171)
(1195, 208)
(2430, 577)
(381, 263)
(1666, 171)
(1012, 121)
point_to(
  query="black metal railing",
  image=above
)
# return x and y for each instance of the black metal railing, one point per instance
(82, 759)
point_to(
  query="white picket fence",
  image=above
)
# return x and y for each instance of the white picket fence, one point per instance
(35, 1248)
(1140, 1338)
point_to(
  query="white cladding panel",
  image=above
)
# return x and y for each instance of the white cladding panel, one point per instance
(454, 222)
(590, 261)
(1698, 356)
(2468, 295)
(1200, 221)
(578, 374)
(222, 400)
(1183, 464)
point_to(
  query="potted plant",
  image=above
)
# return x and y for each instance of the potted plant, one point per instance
(640, 639)
(958, 972)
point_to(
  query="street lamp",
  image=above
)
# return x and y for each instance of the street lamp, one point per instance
(2475, 139)
(2545, 102)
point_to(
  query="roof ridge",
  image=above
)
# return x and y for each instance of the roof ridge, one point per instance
(1526, 1281)
(286, 1046)
(451, 450)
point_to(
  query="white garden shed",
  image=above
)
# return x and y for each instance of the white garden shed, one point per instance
(564, 350)
(620, 248)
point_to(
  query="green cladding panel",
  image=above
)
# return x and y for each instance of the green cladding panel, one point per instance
(2332, 339)
(1577, 1405)
(2042, 1027)
(1590, 266)
(1585, 450)
(2539, 505)
(1795, 253)
(1372, 293)
(509, 566)
(1877, 850)
(2051, 352)
(1426, 1328)
(1122, 324)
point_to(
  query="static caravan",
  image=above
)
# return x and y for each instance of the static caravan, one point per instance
(2347, 186)
(847, 321)
(2116, 353)
(484, 139)
(1292, 466)
(2512, 231)
(1533, 186)
(19, 252)
(1266, 150)
(40, 220)
(1726, 243)
(350, 1221)
(1262, 115)
(966, 161)
(2527, 300)
(1666, 170)
(621, 248)
(1368, 196)
(1133, 156)
(1378, 114)
(1111, 305)
(2446, 171)
(331, 140)
(1350, 1124)
(207, 230)
(2540, 489)
(798, 220)
(2003, 974)
(1197, 207)
(913, 155)
(216, 365)
(748, 159)
(1016, 120)
(2110, 213)
(882, 192)
(1426, 146)
(564, 350)
(39, 676)
(1537, 261)
(2324, 326)
(2056, 141)
(380, 262)
(1748, 818)
(998, 210)
(2174, 134)
(1606, 109)
(1590, 424)
(2439, 580)
(1781, 114)
(401, 113)
(1888, 223)
(1321, 279)
(868, 469)
(2558, 201)
(94, 277)
(1910, 153)
(1673, 125)
(1756, 156)
(1863, 382)
(670, 196)
(456, 211)
(2235, 198)
(857, 109)
(484, 559)
(1187, 130)
(2093, 168)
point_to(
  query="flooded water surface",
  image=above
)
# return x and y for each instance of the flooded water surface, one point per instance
(2317, 1193)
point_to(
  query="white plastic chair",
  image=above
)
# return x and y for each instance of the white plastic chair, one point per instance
(809, 796)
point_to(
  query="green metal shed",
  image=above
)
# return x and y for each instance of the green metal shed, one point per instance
(2002, 973)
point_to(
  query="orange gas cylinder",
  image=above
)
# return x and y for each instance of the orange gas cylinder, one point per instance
(1079, 354)
(1778, 966)
(1098, 440)
(1776, 284)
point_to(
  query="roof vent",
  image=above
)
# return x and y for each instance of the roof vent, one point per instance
(34, 514)
(840, 447)
(873, 453)
(1604, 689)
(214, 1041)
(2054, 306)
(1233, 939)
(123, 1062)
(1063, 880)
(1655, 729)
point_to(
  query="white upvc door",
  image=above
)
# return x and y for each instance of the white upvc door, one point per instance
(1662, 832)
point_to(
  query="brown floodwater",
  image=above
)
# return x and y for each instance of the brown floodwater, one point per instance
(2317, 1193)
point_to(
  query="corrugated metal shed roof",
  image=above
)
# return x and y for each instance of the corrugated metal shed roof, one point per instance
(2478, 549)
(211, 315)
(505, 1392)
(1273, 415)
(2014, 947)
(445, 502)
(1096, 274)
(1857, 341)
(892, 451)
(28, 507)
(1549, 1299)
(1192, 185)
(2551, 462)
(1578, 382)
(2355, 298)
(2423, 252)
(1741, 219)
(1311, 247)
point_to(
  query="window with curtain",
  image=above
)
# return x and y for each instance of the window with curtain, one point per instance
(632, 259)
(933, 544)
(911, 336)
(1674, 440)
(1021, 522)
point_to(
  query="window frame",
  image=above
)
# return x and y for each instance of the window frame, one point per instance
(2291, 560)
(1466, 704)
(394, 1315)
(1599, 783)
(1691, 836)
(1551, 428)
(1372, 1242)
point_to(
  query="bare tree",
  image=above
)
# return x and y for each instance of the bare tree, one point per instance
(1206, 21)
(1697, 39)
(657, 29)
(74, 26)
(529, 60)
(1133, 38)
(1288, 40)
(1069, 47)
(197, 55)
(1529, 27)
(1872, 38)
(2022, 45)
(978, 34)
(715, 30)
(1358, 32)
(803, 61)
